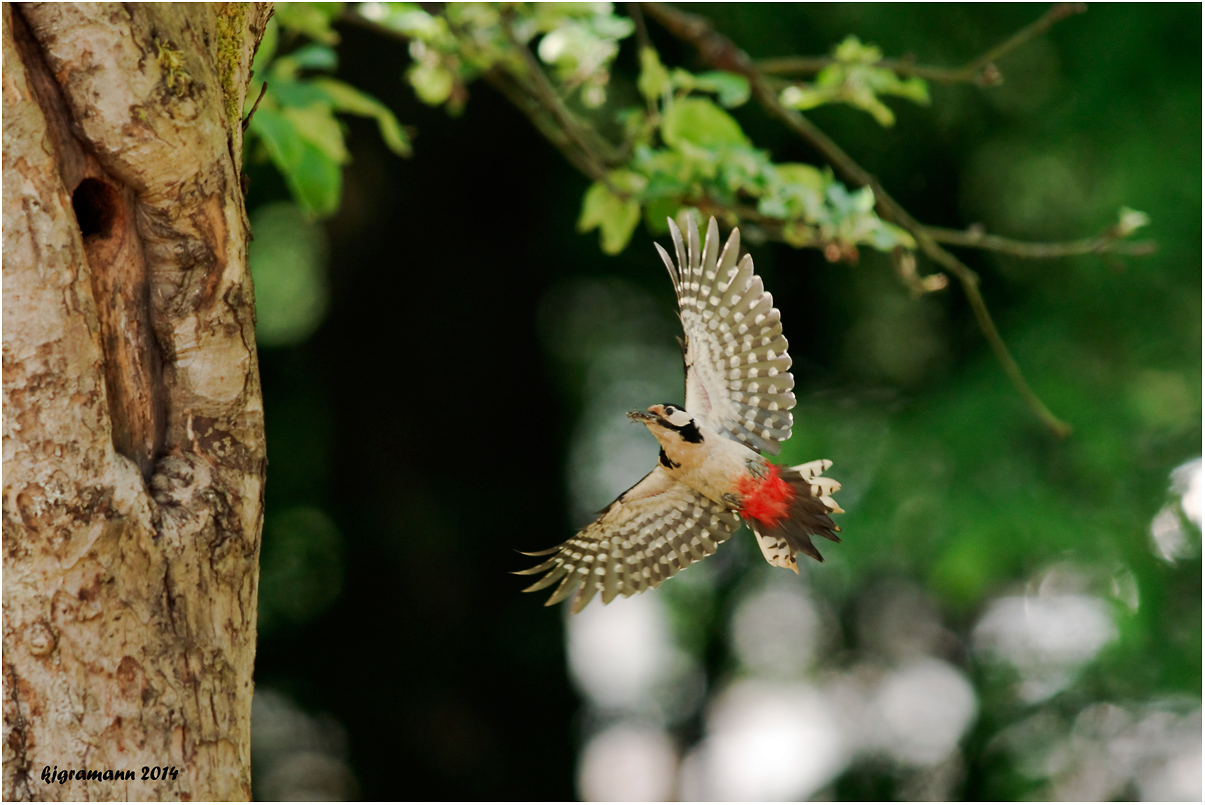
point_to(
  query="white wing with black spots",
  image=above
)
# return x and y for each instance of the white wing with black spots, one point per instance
(737, 367)
(649, 533)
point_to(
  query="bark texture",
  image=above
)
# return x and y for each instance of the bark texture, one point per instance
(133, 423)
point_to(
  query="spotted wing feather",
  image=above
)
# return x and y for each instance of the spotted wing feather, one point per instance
(737, 377)
(649, 533)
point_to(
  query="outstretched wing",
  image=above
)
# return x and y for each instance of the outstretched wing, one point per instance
(646, 535)
(737, 377)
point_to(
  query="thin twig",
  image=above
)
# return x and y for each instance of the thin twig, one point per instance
(980, 70)
(720, 52)
(542, 90)
(525, 102)
(642, 32)
(1109, 242)
(1036, 28)
(247, 119)
(905, 67)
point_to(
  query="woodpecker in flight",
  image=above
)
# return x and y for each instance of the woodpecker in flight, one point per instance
(710, 474)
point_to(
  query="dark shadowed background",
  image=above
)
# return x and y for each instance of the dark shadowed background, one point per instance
(450, 366)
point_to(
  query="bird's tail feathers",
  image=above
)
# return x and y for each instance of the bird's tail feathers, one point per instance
(807, 516)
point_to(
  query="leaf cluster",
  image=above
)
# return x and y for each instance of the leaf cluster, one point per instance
(680, 149)
(294, 114)
(855, 77)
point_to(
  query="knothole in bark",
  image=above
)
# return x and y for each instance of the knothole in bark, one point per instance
(97, 205)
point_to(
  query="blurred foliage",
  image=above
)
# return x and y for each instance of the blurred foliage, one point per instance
(680, 149)
(301, 568)
(398, 382)
(288, 263)
(292, 107)
(856, 78)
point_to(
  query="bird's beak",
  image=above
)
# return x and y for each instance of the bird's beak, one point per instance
(640, 416)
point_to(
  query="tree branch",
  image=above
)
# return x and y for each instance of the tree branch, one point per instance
(981, 70)
(540, 89)
(1108, 242)
(720, 52)
(1036, 28)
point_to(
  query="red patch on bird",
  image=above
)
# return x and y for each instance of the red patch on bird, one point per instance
(767, 499)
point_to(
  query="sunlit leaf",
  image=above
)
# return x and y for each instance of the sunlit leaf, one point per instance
(799, 173)
(697, 121)
(803, 98)
(296, 93)
(614, 217)
(405, 18)
(851, 49)
(312, 19)
(431, 81)
(311, 174)
(731, 89)
(654, 78)
(347, 98)
(854, 78)
(317, 124)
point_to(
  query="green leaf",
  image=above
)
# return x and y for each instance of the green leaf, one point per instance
(657, 210)
(886, 237)
(700, 122)
(852, 50)
(744, 170)
(902, 236)
(313, 177)
(611, 26)
(798, 96)
(312, 19)
(347, 98)
(795, 190)
(615, 218)
(296, 93)
(408, 19)
(317, 181)
(774, 207)
(317, 124)
(315, 57)
(431, 81)
(280, 136)
(855, 79)
(914, 89)
(802, 174)
(863, 199)
(580, 50)
(654, 78)
(731, 89)
(847, 203)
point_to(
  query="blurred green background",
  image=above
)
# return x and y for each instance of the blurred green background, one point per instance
(446, 363)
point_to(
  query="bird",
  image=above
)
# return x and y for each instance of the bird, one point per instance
(710, 474)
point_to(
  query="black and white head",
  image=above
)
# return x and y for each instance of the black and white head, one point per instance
(670, 423)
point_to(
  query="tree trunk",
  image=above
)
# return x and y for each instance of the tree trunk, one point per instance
(133, 423)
